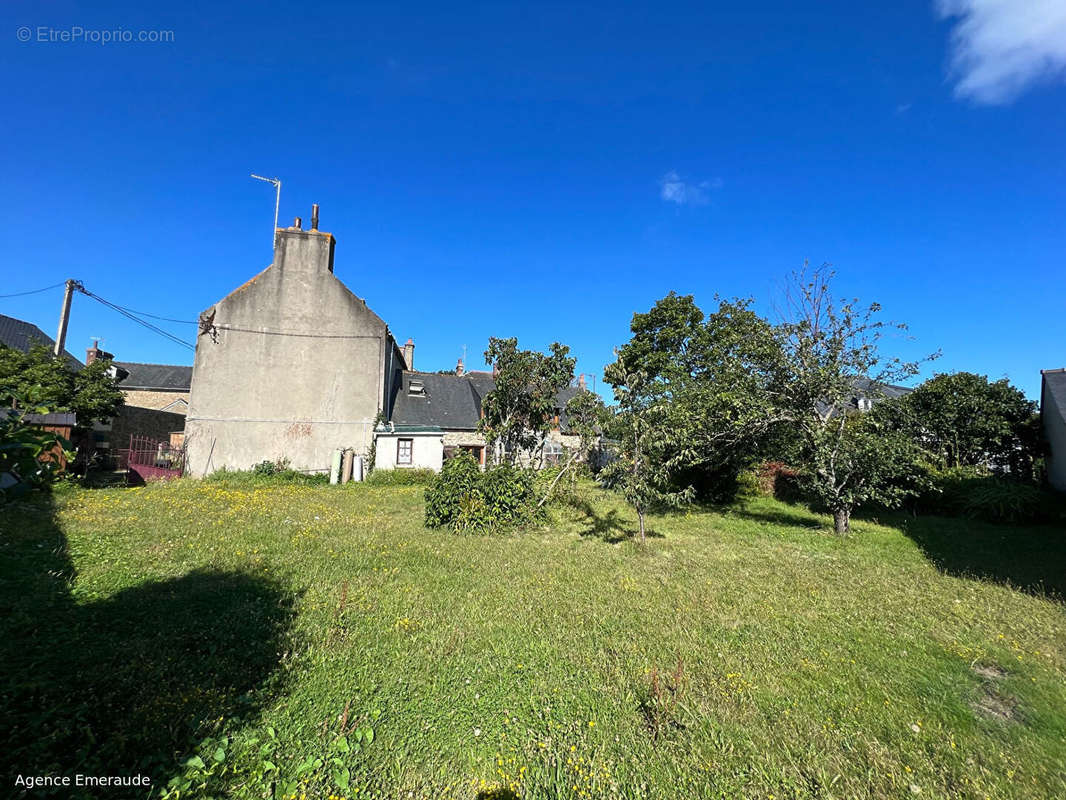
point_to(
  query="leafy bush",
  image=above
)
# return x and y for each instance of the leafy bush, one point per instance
(464, 498)
(272, 467)
(779, 480)
(29, 456)
(974, 493)
(401, 477)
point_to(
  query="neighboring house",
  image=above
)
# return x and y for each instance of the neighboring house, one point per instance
(1053, 421)
(867, 392)
(290, 365)
(163, 387)
(20, 335)
(434, 415)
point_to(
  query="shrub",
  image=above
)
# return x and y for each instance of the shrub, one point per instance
(464, 498)
(401, 477)
(267, 473)
(275, 467)
(779, 480)
(971, 492)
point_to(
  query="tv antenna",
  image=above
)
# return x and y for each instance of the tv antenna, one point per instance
(277, 203)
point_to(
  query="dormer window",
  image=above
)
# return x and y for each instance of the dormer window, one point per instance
(417, 389)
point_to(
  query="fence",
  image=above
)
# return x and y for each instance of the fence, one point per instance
(148, 459)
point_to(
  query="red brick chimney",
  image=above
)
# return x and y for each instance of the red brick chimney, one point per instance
(93, 353)
(459, 369)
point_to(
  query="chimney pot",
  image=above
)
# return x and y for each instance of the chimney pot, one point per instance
(314, 216)
(297, 223)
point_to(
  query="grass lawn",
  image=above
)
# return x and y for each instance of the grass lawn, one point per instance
(255, 639)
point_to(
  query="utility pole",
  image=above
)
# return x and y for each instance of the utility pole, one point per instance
(277, 204)
(64, 318)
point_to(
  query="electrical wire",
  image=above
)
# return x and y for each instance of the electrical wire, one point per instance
(299, 335)
(154, 316)
(34, 291)
(124, 312)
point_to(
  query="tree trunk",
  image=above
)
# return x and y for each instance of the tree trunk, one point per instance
(842, 521)
(640, 516)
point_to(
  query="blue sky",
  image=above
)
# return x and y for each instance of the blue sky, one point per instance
(546, 170)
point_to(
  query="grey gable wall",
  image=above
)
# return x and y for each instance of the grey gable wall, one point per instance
(260, 392)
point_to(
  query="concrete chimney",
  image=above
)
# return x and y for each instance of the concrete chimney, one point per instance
(459, 369)
(581, 381)
(409, 354)
(309, 251)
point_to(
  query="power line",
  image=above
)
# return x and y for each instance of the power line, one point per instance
(34, 291)
(299, 334)
(129, 315)
(154, 316)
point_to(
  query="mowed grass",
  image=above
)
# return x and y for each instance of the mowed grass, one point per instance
(254, 639)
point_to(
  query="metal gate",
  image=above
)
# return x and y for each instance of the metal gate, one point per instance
(149, 459)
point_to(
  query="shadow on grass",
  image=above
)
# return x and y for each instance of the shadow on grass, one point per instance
(609, 526)
(1028, 557)
(129, 684)
(798, 518)
(497, 794)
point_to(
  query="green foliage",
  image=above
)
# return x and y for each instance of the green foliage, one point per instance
(27, 453)
(962, 419)
(276, 467)
(401, 477)
(974, 493)
(826, 346)
(863, 463)
(647, 453)
(517, 413)
(267, 473)
(91, 392)
(711, 377)
(464, 498)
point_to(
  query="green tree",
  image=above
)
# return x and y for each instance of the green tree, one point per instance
(712, 376)
(966, 420)
(91, 392)
(27, 452)
(517, 414)
(642, 469)
(826, 346)
(587, 417)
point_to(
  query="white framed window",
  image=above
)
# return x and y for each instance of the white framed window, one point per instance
(404, 449)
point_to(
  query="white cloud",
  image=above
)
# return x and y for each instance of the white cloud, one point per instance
(1000, 47)
(673, 189)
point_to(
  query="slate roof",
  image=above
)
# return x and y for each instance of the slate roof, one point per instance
(451, 402)
(868, 388)
(1055, 388)
(55, 418)
(20, 335)
(166, 377)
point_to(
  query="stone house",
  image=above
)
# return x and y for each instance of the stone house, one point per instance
(433, 415)
(162, 387)
(293, 365)
(290, 365)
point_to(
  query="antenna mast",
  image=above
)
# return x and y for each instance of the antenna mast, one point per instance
(277, 203)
